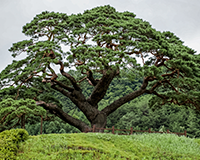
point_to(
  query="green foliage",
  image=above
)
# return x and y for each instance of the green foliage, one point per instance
(54, 125)
(114, 33)
(103, 40)
(12, 110)
(31, 90)
(9, 142)
(140, 116)
(109, 146)
(198, 141)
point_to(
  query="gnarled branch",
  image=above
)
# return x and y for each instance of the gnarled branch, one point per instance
(68, 76)
(101, 87)
(64, 116)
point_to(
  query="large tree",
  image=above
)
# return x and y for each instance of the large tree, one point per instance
(103, 44)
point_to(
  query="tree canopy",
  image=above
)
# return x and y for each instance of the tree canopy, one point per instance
(102, 44)
(20, 110)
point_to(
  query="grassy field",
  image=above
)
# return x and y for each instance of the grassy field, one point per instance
(88, 146)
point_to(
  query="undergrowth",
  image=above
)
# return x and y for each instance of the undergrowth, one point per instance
(100, 146)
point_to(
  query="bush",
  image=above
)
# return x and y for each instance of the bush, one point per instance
(9, 142)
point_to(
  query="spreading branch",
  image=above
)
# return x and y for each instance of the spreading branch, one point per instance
(64, 116)
(70, 89)
(68, 76)
(101, 87)
(91, 78)
(117, 103)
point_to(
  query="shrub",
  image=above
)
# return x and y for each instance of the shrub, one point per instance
(9, 142)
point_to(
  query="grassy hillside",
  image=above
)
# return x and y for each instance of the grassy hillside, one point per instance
(100, 146)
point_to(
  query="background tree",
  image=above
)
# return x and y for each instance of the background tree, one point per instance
(139, 115)
(105, 42)
(14, 112)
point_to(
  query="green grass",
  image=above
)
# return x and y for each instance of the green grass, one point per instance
(88, 146)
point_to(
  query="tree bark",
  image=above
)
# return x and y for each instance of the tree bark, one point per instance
(41, 125)
(99, 122)
(23, 121)
(64, 116)
(96, 117)
(89, 106)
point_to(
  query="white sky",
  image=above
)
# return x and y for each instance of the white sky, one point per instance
(178, 16)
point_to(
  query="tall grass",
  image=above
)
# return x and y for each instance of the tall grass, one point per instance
(169, 143)
(108, 146)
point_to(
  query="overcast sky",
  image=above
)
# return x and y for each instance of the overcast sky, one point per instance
(178, 16)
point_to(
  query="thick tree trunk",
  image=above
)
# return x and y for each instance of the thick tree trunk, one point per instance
(96, 117)
(99, 122)
(88, 106)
